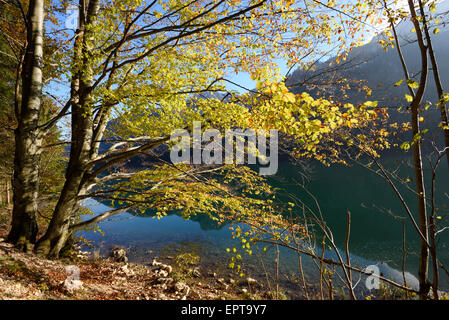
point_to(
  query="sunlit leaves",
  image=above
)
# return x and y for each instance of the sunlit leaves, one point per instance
(317, 125)
(432, 7)
(412, 84)
(398, 83)
(405, 146)
(408, 97)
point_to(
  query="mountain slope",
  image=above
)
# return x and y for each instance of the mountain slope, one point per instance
(369, 66)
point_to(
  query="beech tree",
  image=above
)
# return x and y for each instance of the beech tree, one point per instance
(147, 68)
(24, 112)
(28, 137)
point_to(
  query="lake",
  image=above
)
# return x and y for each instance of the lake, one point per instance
(376, 229)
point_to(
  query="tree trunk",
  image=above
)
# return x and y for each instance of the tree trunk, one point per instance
(422, 212)
(59, 228)
(68, 204)
(437, 80)
(417, 159)
(28, 137)
(8, 196)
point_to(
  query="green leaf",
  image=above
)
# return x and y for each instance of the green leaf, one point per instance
(398, 83)
(408, 97)
(405, 146)
(412, 84)
(432, 7)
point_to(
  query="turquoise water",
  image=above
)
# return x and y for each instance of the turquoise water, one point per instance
(376, 236)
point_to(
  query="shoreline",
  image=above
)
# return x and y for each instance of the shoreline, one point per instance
(25, 276)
